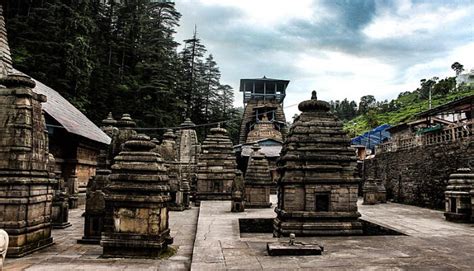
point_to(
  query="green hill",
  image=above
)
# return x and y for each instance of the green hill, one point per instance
(408, 105)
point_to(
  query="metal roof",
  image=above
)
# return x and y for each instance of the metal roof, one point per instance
(67, 115)
(265, 79)
(467, 102)
(372, 137)
(268, 146)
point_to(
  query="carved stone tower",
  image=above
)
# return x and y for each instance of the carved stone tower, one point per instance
(317, 187)
(136, 199)
(258, 180)
(216, 167)
(26, 183)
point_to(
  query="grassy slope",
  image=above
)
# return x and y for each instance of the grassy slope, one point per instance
(410, 106)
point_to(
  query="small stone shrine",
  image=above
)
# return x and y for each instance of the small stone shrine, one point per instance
(458, 196)
(108, 127)
(60, 205)
(26, 184)
(95, 203)
(95, 195)
(187, 151)
(125, 127)
(136, 199)
(317, 188)
(216, 167)
(370, 192)
(258, 180)
(167, 150)
(238, 190)
(381, 191)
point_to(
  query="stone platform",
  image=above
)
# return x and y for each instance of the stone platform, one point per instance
(66, 254)
(432, 242)
(217, 244)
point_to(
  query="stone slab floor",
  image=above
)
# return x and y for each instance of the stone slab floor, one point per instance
(67, 254)
(431, 244)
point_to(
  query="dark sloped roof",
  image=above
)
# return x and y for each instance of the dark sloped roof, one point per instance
(466, 101)
(69, 116)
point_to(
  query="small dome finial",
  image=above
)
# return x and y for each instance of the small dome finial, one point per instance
(314, 95)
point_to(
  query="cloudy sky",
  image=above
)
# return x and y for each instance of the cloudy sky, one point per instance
(342, 49)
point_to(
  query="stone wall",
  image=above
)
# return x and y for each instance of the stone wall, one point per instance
(419, 175)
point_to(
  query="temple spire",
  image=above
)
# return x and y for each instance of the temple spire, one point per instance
(5, 57)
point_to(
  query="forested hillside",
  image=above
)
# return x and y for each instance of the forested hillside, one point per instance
(120, 56)
(370, 113)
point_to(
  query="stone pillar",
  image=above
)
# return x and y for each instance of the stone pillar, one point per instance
(186, 188)
(317, 191)
(258, 180)
(216, 167)
(136, 199)
(26, 191)
(458, 196)
(60, 205)
(238, 190)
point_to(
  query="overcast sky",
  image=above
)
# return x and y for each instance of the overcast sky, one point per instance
(342, 49)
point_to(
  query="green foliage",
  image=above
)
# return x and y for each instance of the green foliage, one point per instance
(120, 57)
(408, 104)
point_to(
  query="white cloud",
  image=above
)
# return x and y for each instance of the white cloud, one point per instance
(403, 43)
(409, 19)
(267, 13)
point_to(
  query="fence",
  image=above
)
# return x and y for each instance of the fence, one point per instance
(448, 134)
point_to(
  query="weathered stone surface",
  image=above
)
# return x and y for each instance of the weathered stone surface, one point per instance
(216, 167)
(258, 180)
(26, 183)
(95, 203)
(136, 199)
(60, 205)
(238, 190)
(187, 151)
(298, 249)
(370, 191)
(317, 187)
(419, 176)
(264, 129)
(249, 117)
(167, 151)
(458, 196)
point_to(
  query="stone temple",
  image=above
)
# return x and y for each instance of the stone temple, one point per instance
(216, 167)
(317, 188)
(136, 199)
(258, 180)
(26, 180)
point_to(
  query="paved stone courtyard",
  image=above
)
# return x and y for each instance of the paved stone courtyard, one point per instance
(67, 254)
(214, 242)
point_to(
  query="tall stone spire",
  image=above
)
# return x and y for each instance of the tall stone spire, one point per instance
(5, 57)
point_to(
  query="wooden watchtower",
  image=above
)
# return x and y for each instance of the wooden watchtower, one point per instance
(263, 100)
